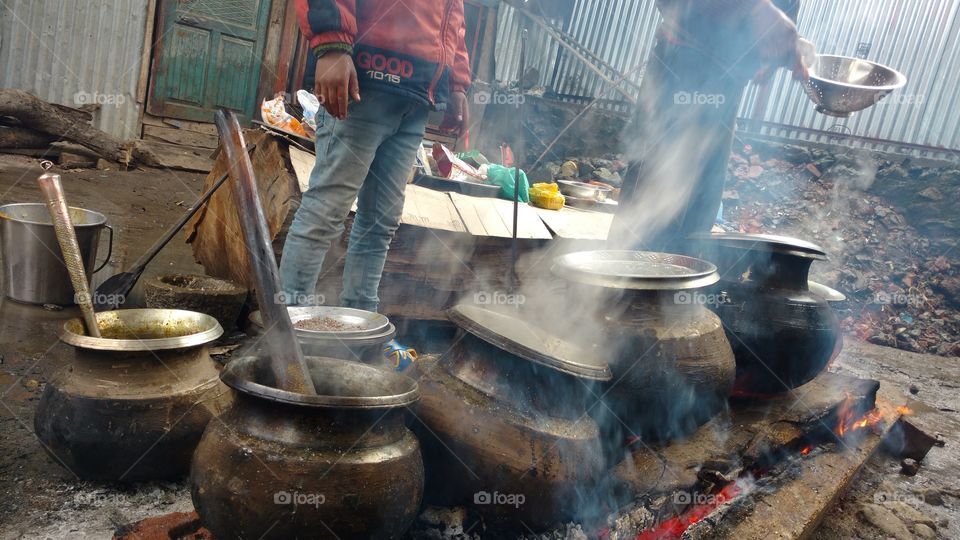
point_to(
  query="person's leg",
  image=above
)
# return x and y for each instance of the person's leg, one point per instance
(345, 150)
(679, 140)
(379, 208)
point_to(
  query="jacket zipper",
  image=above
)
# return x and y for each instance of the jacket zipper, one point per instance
(443, 53)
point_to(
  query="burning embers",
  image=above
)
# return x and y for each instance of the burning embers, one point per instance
(852, 423)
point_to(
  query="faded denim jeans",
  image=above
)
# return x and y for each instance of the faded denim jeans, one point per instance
(368, 155)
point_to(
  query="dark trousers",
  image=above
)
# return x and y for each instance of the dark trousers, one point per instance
(678, 143)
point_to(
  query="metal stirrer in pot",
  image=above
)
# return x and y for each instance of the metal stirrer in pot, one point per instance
(286, 357)
(67, 238)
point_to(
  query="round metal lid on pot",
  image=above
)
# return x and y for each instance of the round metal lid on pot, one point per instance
(636, 270)
(332, 321)
(764, 242)
(506, 329)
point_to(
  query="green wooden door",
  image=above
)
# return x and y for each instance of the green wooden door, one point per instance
(209, 56)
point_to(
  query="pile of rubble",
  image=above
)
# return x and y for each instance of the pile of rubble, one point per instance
(902, 286)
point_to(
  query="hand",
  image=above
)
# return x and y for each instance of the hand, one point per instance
(778, 42)
(336, 83)
(457, 118)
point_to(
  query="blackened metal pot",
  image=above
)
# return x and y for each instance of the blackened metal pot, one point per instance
(783, 335)
(503, 422)
(339, 464)
(133, 404)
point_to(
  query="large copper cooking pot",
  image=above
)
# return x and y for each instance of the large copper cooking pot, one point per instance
(339, 464)
(133, 404)
(672, 365)
(503, 422)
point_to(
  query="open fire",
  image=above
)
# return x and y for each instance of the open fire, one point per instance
(849, 424)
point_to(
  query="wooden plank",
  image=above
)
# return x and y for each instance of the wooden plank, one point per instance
(494, 217)
(433, 209)
(577, 224)
(172, 156)
(796, 507)
(303, 163)
(181, 137)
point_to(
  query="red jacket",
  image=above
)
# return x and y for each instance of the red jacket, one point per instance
(414, 48)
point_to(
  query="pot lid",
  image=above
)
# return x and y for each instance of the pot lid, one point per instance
(765, 242)
(635, 270)
(339, 322)
(507, 330)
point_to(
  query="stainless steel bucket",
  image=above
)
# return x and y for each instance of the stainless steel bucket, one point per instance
(33, 266)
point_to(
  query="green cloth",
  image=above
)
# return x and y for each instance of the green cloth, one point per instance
(499, 175)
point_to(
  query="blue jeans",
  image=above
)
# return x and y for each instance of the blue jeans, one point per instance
(370, 153)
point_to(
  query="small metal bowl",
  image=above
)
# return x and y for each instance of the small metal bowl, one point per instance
(583, 190)
(841, 86)
(141, 330)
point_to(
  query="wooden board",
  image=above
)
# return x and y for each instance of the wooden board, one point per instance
(303, 163)
(181, 137)
(215, 230)
(577, 224)
(432, 209)
(172, 156)
(485, 216)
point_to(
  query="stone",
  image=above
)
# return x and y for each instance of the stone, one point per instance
(922, 531)
(909, 514)
(103, 165)
(932, 194)
(909, 467)
(569, 169)
(886, 521)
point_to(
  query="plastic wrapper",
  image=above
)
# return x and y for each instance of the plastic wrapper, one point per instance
(311, 106)
(454, 168)
(274, 114)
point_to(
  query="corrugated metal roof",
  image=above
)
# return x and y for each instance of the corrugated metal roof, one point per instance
(920, 38)
(72, 51)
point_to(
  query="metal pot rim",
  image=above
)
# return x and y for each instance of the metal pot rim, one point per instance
(210, 330)
(770, 243)
(99, 221)
(238, 372)
(573, 267)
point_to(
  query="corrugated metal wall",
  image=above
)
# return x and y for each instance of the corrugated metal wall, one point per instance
(75, 51)
(921, 38)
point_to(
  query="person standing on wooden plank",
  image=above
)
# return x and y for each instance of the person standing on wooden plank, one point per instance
(680, 136)
(382, 66)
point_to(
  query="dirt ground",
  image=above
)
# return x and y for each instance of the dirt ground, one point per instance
(39, 499)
